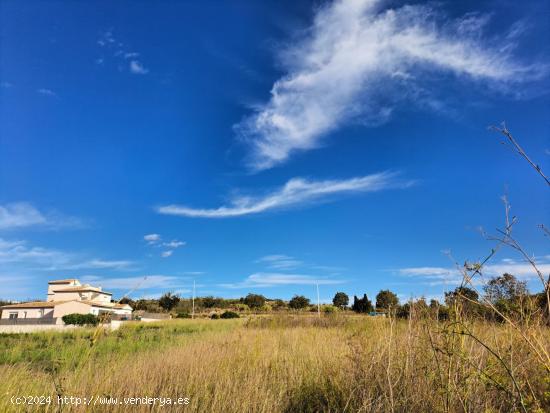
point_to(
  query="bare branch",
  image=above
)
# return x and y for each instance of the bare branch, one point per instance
(504, 131)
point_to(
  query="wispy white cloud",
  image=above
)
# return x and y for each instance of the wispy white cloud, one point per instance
(297, 191)
(273, 279)
(280, 262)
(48, 259)
(46, 92)
(23, 215)
(144, 282)
(451, 276)
(102, 264)
(152, 238)
(174, 244)
(137, 68)
(126, 59)
(19, 252)
(359, 59)
(156, 240)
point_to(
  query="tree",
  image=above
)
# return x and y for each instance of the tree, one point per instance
(298, 302)
(126, 300)
(464, 298)
(278, 304)
(362, 305)
(254, 301)
(385, 300)
(340, 299)
(461, 292)
(505, 288)
(211, 302)
(169, 301)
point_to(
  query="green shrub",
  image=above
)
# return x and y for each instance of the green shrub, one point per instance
(215, 316)
(80, 319)
(241, 307)
(183, 315)
(329, 309)
(229, 314)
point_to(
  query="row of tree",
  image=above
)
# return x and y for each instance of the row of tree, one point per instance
(506, 293)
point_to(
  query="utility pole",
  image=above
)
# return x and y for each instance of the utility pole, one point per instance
(193, 313)
(318, 303)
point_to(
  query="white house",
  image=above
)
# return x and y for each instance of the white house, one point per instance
(67, 297)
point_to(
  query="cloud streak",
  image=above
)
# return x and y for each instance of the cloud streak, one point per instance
(19, 215)
(46, 259)
(155, 240)
(297, 191)
(122, 56)
(46, 92)
(280, 262)
(358, 61)
(451, 276)
(274, 279)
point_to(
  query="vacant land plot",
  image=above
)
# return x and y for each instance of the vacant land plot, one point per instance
(280, 364)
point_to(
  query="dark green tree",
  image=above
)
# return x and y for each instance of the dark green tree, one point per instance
(340, 299)
(211, 302)
(386, 299)
(461, 292)
(298, 302)
(362, 305)
(254, 300)
(169, 301)
(506, 287)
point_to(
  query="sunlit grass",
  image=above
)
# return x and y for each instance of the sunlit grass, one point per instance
(280, 364)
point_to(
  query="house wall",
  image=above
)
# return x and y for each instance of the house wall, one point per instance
(122, 311)
(71, 307)
(100, 297)
(28, 312)
(52, 287)
(65, 296)
(75, 295)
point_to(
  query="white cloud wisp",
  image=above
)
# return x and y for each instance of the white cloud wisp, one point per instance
(270, 279)
(297, 191)
(358, 60)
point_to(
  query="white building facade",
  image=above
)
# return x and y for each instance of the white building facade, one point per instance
(66, 297)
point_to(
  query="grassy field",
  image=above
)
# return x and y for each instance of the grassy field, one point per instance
(284, 364)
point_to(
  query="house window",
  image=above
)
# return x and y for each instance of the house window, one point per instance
(13, 316)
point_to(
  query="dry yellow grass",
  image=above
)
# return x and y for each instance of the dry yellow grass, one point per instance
(295, 364)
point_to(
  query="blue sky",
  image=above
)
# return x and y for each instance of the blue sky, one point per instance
(260, 147)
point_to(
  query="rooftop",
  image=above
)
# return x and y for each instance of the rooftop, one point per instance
(33, 304)
(81, 288)
(67, 281)
(52, 304)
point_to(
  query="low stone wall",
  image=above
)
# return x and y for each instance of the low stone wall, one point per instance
(33, 328)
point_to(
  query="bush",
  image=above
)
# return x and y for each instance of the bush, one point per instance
(215, 316)
(241, 307)
(230, 314)
(329, 309)
(254, 300)
(298, 302)
(266, 308)
(183, 315)
(80, 319)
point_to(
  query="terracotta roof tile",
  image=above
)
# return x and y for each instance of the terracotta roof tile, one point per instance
(67, 281)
